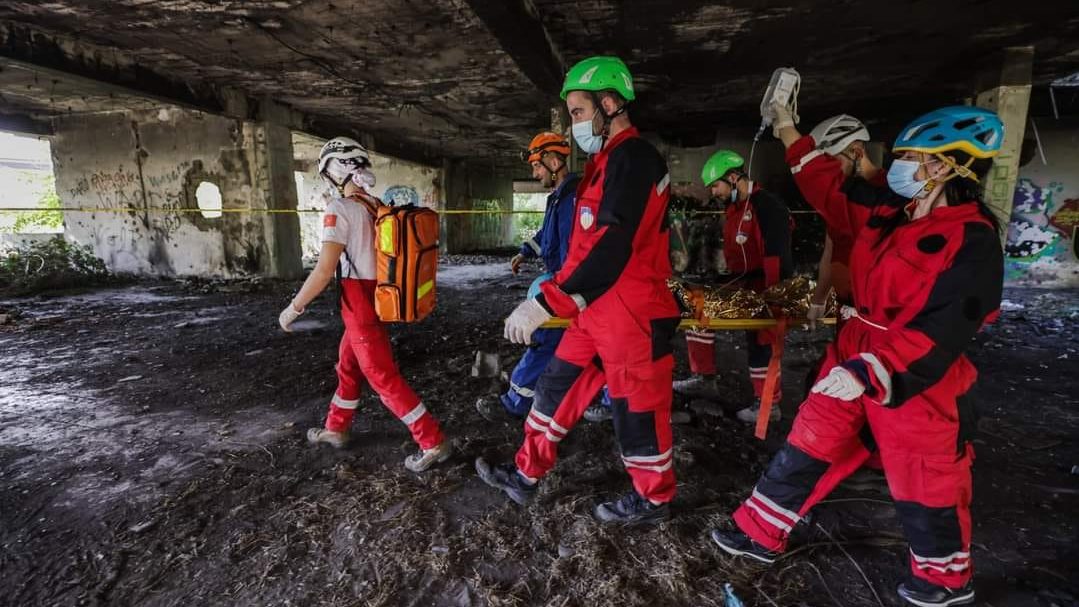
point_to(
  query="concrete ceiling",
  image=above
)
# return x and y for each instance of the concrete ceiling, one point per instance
(466, 78)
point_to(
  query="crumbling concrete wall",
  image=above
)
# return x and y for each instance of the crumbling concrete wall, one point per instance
(1042, 247)
(150, 163)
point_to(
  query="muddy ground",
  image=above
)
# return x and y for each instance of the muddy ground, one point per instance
(152, 453)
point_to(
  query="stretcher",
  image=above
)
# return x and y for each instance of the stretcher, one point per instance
(740, 324)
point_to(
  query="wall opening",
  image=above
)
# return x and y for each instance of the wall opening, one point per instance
(528, 196)
(27, 183)
(208, 198)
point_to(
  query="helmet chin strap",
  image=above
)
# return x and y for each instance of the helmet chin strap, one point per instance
(605, 131)
(553, 172)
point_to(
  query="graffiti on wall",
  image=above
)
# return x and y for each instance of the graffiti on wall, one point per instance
(1042, 230)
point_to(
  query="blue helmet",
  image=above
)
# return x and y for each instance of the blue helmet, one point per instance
(534, 290)
(973, 130)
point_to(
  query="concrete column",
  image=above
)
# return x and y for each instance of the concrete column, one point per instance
(1009, 97)
(274, 177)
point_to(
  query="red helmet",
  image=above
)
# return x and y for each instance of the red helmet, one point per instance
(547, 142)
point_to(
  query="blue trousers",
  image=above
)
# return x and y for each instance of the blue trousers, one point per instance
(518, 399)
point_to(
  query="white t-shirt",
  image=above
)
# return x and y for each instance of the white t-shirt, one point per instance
(349, 223)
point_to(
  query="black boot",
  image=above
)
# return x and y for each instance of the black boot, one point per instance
(632, 509)
(736, 543)
(507, 479)
(917, 591)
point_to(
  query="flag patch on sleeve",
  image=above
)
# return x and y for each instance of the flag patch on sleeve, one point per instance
(329, 221)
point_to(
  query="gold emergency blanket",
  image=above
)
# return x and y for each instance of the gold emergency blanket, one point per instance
(789, 298)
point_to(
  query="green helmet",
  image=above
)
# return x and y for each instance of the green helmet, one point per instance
(719, 164)
(599, 74)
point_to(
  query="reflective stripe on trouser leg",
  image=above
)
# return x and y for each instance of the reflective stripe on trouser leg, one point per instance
(701, 348)
(758, 355)
(931, 485)
(563, 392)
(349, 383)
(822, 449)
(528, 370)
(642, 424)
(371, 346)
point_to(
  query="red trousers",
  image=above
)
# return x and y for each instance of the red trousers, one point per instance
(365, 357)
(701, 347)
(630, 349)
(926, 463)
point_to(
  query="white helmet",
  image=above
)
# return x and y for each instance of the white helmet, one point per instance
(836, 133)
(343, 149)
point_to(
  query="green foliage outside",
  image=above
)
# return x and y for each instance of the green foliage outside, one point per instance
(527, 224)
(54, 264)
(45, 220)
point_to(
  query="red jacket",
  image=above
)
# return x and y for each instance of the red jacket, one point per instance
(620, 239)
(765, 224)
(921, 292)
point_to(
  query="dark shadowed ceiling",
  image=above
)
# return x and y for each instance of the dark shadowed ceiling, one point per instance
(465, 78)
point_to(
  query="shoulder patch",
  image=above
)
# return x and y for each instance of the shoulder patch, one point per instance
(329, 221)
(933, 243)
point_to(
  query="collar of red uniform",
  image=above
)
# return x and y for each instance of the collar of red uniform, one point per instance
(613, 142)
(956, 211)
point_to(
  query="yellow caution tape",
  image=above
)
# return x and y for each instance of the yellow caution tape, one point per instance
(715, 324)
(297, 211)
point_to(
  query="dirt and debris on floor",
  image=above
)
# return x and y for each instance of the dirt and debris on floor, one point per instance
(152, 453)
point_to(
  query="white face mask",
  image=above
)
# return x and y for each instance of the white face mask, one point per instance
(364, 178)
(901, 179)
(586, 140)
(338, 171)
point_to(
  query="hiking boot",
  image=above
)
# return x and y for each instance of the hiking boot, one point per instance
(597, 413)
(337, 440)
(736, 543)
(495, 410)
(698, 385)
(749, 414)
(632, 509)
(917, 591)
(507, 479)
(425, 458)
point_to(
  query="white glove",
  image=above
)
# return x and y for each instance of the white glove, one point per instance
(288, 315)
(784, 117)
(815, 313)
(525, 318)
(839, 383)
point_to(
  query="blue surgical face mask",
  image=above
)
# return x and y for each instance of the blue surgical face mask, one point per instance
(901, 179)
(586, 140)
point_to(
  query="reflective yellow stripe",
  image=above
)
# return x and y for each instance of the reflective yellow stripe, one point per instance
(385, 238)
(425, 288)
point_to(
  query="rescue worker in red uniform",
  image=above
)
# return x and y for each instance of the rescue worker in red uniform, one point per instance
(926, 275)
(757, 247)
(348, 246)
(844, 138)
(613, 287)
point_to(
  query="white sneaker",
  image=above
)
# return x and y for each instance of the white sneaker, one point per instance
(424, 459)
(337, 440)
(749, 414)
(698, 385)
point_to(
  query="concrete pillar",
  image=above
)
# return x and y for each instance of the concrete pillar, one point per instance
(274, 177)
(1009, 97)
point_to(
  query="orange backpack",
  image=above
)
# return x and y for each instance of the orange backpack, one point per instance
(406, 239)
